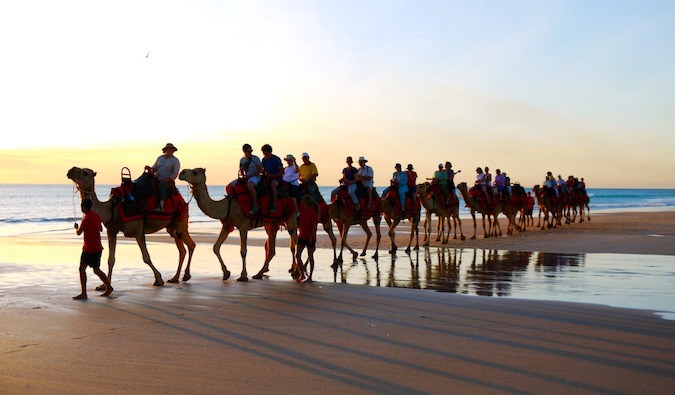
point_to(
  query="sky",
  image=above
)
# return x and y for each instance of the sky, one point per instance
(583, 88)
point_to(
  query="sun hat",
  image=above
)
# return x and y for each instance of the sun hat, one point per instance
(397, 165)
(363, 159)
(410, 166)
(305, 154)
(169, 146)
(289, 157)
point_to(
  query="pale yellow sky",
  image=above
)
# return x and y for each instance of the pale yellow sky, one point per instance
(527, 87)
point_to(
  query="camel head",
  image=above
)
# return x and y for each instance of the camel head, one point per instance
(194, 177)
(84, 178)
(462, 186)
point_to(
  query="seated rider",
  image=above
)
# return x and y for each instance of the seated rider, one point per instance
(412, 182)
(274, 171)
(480, 181)
(349, 181)
(400, 180)
(562, 186)
(488, 184)
(440, 178)
(365, 175)
(250, 169)
(308, 175)
(451, 177)
(291, 184)
(500, 183)
(166, 169)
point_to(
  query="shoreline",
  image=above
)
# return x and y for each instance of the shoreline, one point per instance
(210, 336)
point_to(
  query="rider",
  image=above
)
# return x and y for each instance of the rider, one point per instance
(166, 168)
(365, 174)
(308, 175)
(349, 180)
(400, 178)
(412, 182)
(250, 169)
(274, 171)
(480, 181)
(500, 183)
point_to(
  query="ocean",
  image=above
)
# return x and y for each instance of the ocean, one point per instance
(29, 209)
(611, 279)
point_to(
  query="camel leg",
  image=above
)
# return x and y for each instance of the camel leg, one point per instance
(191, 249)
(270, 250)
(369, 234)
(413, 230)
(224, 232)
(486, 234)
(243, 239)
(112, 245)
(378, 235)
(459, 224)
(427, 229)
(328, 228)
(392, 236)
(140, 239)
(473, 216)
(440, 228)
(181, 256)
(343, 240)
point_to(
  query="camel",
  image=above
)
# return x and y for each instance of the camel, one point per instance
(548, 207)
(109, 213)
(433, 206)
(230, 214)
(338, 212)
(393, 219)
(474, 206)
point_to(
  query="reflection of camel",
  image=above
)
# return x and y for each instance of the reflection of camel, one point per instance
(393, 219)
(433, 206)
(475, 206)
(109, 213)
(338, 212)
(230, 214)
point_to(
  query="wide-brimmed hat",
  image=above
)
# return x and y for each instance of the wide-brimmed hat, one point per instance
(363, 159)
(289, 157)
(169, 146)
(305, 154)
(410, 167)
(397, 165)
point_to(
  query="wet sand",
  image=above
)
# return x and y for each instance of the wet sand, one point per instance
(209, 336)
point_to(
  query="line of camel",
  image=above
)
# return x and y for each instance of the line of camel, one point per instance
(230, 214)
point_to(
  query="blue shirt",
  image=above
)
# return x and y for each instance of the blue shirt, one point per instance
(272, 165)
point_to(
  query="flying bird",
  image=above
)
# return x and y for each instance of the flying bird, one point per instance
(147, 54)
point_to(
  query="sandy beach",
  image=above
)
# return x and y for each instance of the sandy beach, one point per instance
(209, 336)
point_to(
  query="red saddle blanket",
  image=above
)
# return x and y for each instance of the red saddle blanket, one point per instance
(410, 207)
(434, 191)
(375, 205)
(240, 193)
(477, 194)
(133, 206)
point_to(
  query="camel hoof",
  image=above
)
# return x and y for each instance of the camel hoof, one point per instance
(172, 280)
(226, 275)
(242, 279)
(473, 237)
(335, 266)
(354, 256)
(363, 253)
(101, 287)
(463, 238)
(186, 277)
(158, 283)
(416, 248)
(258, 276)
(407, 250)
(376, 255)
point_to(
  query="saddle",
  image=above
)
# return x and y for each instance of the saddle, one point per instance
(343, 196)
(411, 207)
(239, 192)
(138, 199)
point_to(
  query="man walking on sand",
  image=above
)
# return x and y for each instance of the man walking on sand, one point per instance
(92, 248)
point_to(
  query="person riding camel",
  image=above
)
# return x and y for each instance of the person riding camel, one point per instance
(488, 185)
(500, 183)
(250, 169)
(480, 181)
(166, 169)
(308, 175)
(365, 175)
(400, 180)
(274, 171)
(349, 181)
(412, 182)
